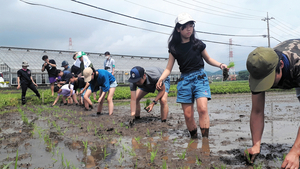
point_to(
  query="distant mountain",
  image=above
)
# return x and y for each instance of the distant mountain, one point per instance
(219, 72)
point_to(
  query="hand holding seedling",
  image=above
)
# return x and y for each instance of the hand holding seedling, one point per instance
(149, 108)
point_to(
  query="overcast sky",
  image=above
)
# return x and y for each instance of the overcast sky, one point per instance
(33, 26)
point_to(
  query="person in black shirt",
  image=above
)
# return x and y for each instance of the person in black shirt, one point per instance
(79, 83)
(50, 66)
(193, 85)
(25, 80)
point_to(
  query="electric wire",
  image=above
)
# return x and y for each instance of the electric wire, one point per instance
(238, 6)
(197, 20)
(204, 32)
(221, 12)
(205, 12)
(85, 15)
(225, 9)
(284, 26)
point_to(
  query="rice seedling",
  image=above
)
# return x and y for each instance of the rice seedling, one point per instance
(105, 154)
(164, 165)
(121, 124)
(137, 139)
(16, 163)
(85, 143)
(100, 125)
(116, 132)
(247, 154)
(182, 155)
(190, 143)
(62, 159)
(148, 132)
(153, 155)
(54, 160)
(198, 161)
(68, 163)
(121, 158)
(114, 122)
(7, 165)
(175, 139)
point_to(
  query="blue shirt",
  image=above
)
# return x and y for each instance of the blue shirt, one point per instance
(104, 80)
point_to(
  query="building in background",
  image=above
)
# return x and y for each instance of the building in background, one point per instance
(11, 59)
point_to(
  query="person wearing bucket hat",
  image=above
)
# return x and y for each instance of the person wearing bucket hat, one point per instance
(100, 80)
(50, 66)
(145, 80)
(84, 61)
(193, 84)
(66, 66)
(272, 68)
(25, 81)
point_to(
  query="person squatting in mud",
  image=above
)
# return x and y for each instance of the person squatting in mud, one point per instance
(80, 84)
(25, 80)
(193, 84)
(67, 92)
(272, 68)
(105, 80)
(145, 80)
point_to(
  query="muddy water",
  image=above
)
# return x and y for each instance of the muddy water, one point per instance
(58, 137)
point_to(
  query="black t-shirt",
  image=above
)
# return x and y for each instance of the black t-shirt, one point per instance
(51, 70)
(79, 84)
(188, 59)
(75, 70)
(24, 76)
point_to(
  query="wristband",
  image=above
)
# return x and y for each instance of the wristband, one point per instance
(221, 65)
(155, 102)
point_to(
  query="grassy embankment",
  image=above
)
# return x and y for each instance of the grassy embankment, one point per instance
(12, 97)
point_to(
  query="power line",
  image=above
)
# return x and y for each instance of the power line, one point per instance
(77, 13)
(237, 6)
(162, 24)
(221, 12)
(225, 9)
(154, 9)
(203, 11)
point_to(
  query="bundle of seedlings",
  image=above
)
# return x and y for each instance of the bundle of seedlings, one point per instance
(226, 71)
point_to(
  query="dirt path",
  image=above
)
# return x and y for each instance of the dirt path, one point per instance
(62, 136)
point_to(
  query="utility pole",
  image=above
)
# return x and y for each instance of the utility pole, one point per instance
(267, 19)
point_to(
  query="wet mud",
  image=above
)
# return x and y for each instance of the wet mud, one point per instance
(69, 137)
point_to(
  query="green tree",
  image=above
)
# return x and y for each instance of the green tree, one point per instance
(243, 75)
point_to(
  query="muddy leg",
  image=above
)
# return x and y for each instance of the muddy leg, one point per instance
(203, 116)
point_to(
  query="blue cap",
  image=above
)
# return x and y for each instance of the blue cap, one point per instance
(136, 73)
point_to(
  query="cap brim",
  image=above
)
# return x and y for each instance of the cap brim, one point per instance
(88, 79)
(260, 85)
(78, 56)
(133, 80)
(186, 21)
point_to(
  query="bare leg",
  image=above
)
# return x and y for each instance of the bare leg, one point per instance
(110, 100)
(164, 108)
(100, 105)
(52, 88)
(188, 111)
(87, 101)
(139, 95)
(203, 116)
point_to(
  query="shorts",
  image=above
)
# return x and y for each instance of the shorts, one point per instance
(84, 92)
(114, 84)
(97, 88)
(167, 86)
(52, 79)
(192, 86)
